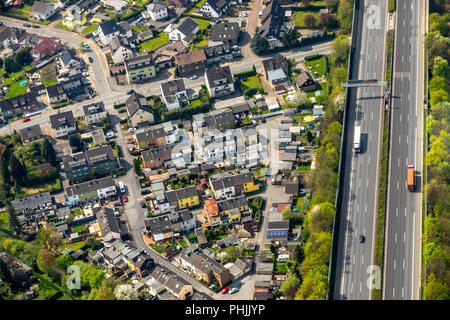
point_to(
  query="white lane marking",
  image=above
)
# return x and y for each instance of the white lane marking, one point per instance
(404, 240)
(353, 258)
(405, 212)
(396, 212)
(362, 260)
(398, 162)
(367, 183)
(403, 291)
(406, 139)
(398, 184)
(403, 263)
(395, 237)
(360, 286)
(412, 260)
(366, 208)
(399, 139)
(395, 263)
(369, 159)
(409, 98)
(403, 58)
(372, 115)
(393, 292)
(403, 40)
(351, 290)
(400, 117)
(370, 136)
(408, 113)
(359, 183)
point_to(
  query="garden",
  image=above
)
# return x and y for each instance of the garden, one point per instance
(249, 83)
(154, 43)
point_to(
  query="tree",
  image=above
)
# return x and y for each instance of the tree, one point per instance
(438, 96)
(49, 239)
(290, 38)
(137, 167)
(344, 14)
(435, 290)
(125, 292)
(310, 20)
(18, 170)
(332, 4)
(75, 142)
(314, 287)
(94, 244)
(47, 152)
(441, 68)
(327, 20)
(64, 261)
(46, 262)
(10, 65)
(14, 224)
(258, 44)
(232, 252)
(104, 293)
(23, 57)
(290, 286)
(341, 47)
(4, 169)
(305, 3)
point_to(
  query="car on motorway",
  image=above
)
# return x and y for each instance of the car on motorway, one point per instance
(27, 25)
(90, 59)
(125, 198)
(225, 290)
(143, 205)
(362, 238)
(122, 110)
(194, 77)
(26, 119)
(234, 290)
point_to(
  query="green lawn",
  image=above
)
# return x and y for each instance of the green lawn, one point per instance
(15, 89)
(77, 211)
(280, 267)
(74, 246)
(197, 5)
(182, 243)
(21, 13)
(303, 168)
(197, 46)
(90, 28)
(157, 248)
(300, 18)
(60, 25)
(153, 44)
(13, 83)
(195, 103)
(51, 187)
(4, 221)
(317, 65)
(138, 29)
(48, 75)
(202, 23)
(251, 82)
(79, 228)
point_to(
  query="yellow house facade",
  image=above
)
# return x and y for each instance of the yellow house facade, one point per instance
(251, 186)
(189, 202)
(183, 198)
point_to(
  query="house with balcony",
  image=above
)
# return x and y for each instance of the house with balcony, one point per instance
(99, 160)
(184, 31)
(236, 209)
(91, 191)
(31, 133)
(120, 49)
(157, 11)
(35, 207)
(95, 113)
(276, 71)
(27, 102)
(140, 68)
(183, 198)
(191, 63)
(46, 47)
(156, 158)
(62, 124)
(151, 137)
(219, 81)
(215, 8)
(43, 10)
(272, 24)
(229, 186)
(173, 93)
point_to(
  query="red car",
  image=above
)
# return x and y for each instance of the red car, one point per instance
(26, 119)
(225, 290)
(124, 198)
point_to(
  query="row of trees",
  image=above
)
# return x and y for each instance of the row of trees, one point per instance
(436, 249)
(13, 62)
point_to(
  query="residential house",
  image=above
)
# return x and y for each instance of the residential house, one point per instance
(109, 226)
(227, 32)
(203, 267)
(305, 81)
(19, 272)
(37, 89)
(235, 209)
(75, 16)
(276, 71)
(62, 124)
(107, 31)
(10, 36)
(219, 81)
(138, 111)
(34, 207)
(47, 47)
(69, 59)
(215, 8)
(232, 185)
(31, 133)
(91, 191)
(218, 53)
(140, 68)
(210, 214)
(190, 63)
(95, 113)
(154, 136)
(99, 160)
(120, 49)
(167, 280)
(11, 107)
(272, 24)
(184, 31)
(183, 198)
(159, 229)
(219, 119)
(277, 228)
(157, 11)
(43, 10)
(143, 265)
(74, 87)
(56, 93)
(116, 5)
(173, 91)
(155, 158)
(178, 3)
(292, 188)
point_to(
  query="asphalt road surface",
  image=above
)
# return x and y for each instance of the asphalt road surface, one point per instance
(359, 208)
(402, 261)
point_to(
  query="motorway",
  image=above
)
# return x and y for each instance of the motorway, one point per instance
(403, 224)
(359, 204)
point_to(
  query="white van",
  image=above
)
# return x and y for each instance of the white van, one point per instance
(121, 187)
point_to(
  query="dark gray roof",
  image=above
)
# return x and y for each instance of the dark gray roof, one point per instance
(242, 107)
(218, 74)
(31, 132)
(169, 279)
(32, 201)
(278, 225)
(272, 19)
(172, 86)
(158, 224)
(291, 188)
(62, 119)
(156, 6)
(21, 101)
(216, 51)
(227, 31)
(109, 27)
(218, 5)
(40, 6)
(217, 119)
(89, 157)
(184, 193)
(152, 133)
(90, 186)
(230, 181)
(187, 26)
(55, 90)
(135, 102)
(233, 203)
(158, 153)
(94, 108)
(67, 55)
(138, 62)
(107, 220)
(275, 63)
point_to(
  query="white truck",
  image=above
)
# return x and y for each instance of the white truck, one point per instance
(121, 187)
(357, 139)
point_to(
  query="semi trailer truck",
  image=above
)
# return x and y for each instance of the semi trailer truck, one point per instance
(410, 178)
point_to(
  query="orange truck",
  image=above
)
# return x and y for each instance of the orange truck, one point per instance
(411, 178)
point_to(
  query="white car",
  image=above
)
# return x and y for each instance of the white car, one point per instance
(85, 74)
(243, 14)
(194, 77)
(233, 290)
(131, 129)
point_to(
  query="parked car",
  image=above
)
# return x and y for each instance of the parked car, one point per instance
(130, 91)
(35, 26)
(26, 119)
(194, 77)
(85, 74)
(90, 60)
(234, 290)
(143, 205)
(267, 260)
(263, 120)
(27, 25)
(122, 110)
(124, 198)
(131, 129)
(225, 290)
(145, 191)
